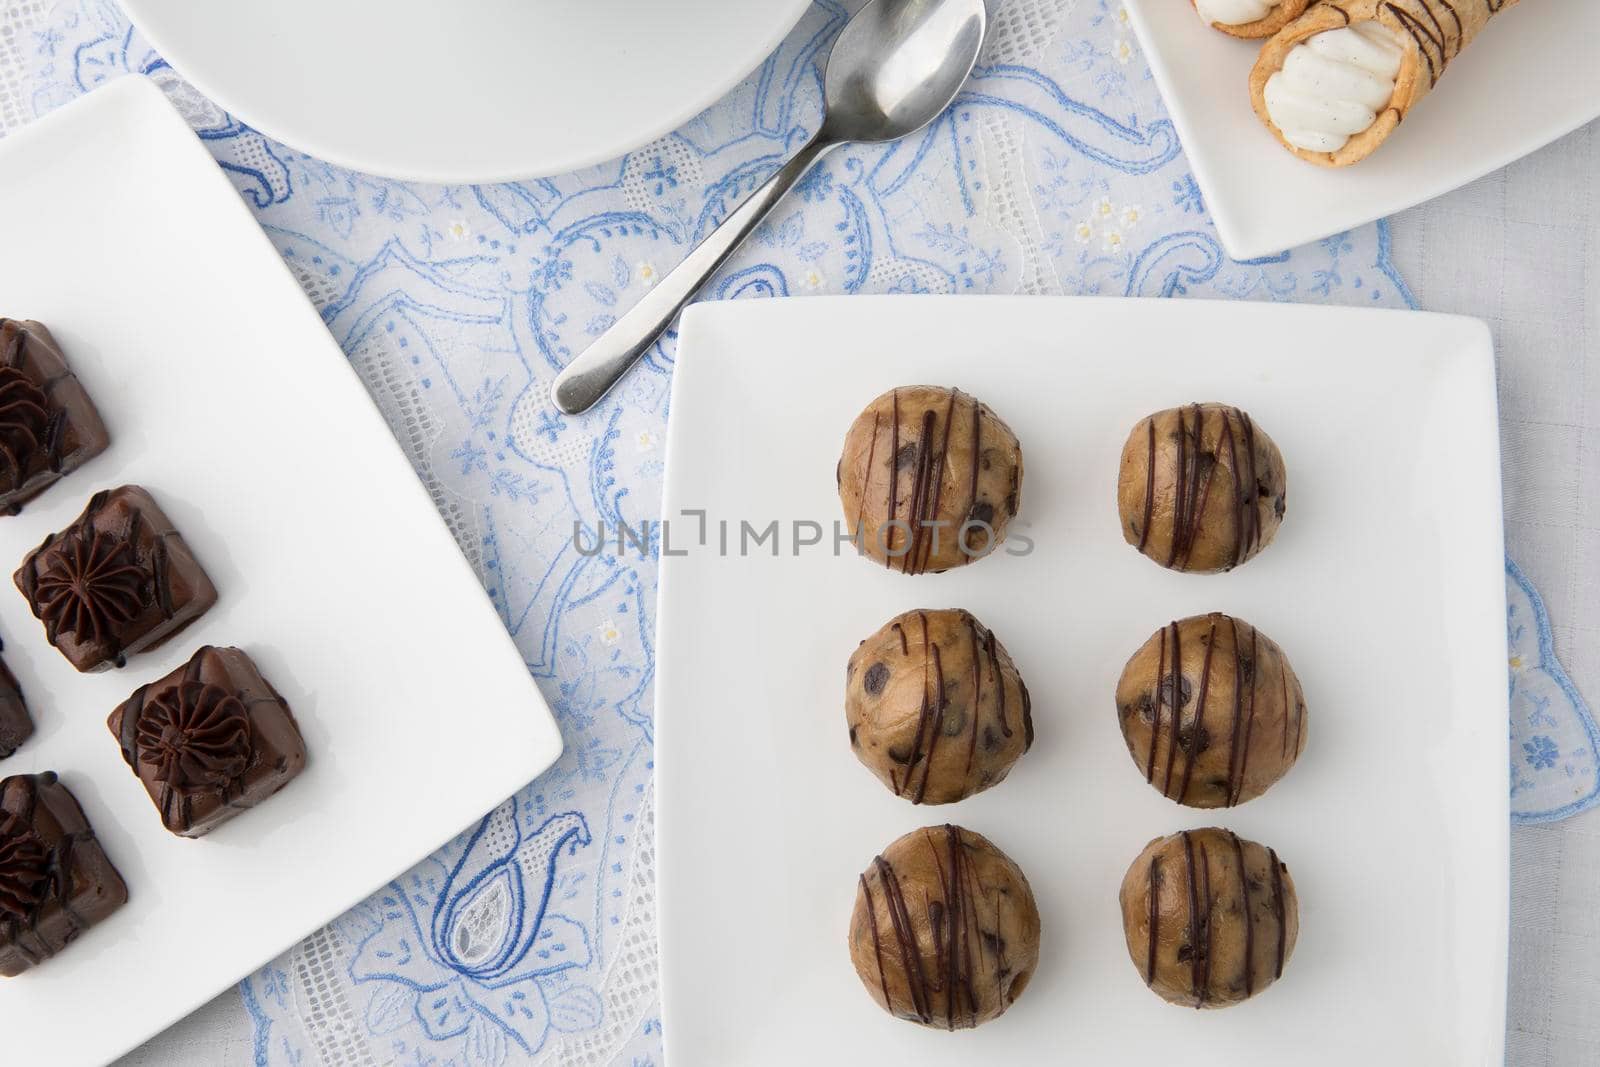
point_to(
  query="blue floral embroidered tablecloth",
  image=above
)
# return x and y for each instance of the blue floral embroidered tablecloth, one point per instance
(1057, 171)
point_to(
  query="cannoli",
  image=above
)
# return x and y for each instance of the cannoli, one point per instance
(1250, 18)
(1335, 83)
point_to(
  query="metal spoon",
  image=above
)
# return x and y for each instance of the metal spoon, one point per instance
(896, 66)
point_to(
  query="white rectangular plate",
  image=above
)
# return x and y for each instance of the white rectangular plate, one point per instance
(226, 397)
(1529, 78)
(1385, 585)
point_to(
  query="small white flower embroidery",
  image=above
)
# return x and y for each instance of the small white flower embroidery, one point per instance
(1122, 50)
(1083, 232)
(609, 633)
(646, 441)
(458, 230)
(1131, 216)
(1518, 664)
(1122, 15)
(646, 273)
(813, 279)
(1112, 241)
(1104, 208)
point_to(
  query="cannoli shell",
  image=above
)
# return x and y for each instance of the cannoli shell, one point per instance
(1432, 32)
(1285, 12)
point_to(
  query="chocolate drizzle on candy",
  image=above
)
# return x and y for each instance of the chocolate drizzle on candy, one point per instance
(117, 581)
(16, 725)
(55, 880)
(209, 740)
(29, 876)
(48, 425)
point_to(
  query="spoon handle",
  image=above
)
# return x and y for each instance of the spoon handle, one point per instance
(600, 366)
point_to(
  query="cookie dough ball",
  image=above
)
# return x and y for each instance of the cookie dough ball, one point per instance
(935, 706)
(945, 931)
(930, 478)
(1211, 711)
(1223, 914)
(1201, 488)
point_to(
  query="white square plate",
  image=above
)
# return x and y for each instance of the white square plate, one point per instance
(226, 397)
(1529, 78)
(1385, 585)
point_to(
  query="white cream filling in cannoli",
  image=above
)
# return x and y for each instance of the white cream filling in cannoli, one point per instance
(1233, 12)
(1333, 85)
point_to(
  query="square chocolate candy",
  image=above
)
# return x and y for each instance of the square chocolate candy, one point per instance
(55, 879)
(16, 725)
(210, 740)
(117, 581)
(48, 425)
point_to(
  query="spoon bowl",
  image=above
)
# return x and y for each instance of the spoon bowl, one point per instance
(895, 67)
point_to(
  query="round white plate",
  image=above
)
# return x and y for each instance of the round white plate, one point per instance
(469, 90)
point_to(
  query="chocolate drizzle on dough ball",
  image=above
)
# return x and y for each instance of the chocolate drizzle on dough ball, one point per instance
(936, 708)
(1211, 711)
(929, 479)
(1202, 488)
(1210, 919)
(945, 931)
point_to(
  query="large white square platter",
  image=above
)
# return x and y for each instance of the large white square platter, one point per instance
(1385, 586)
(226, 397)
(1529, 78)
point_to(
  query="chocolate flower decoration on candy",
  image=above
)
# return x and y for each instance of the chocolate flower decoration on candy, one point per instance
(90, 585)
(24, 869)
(118, 581)
(55, 879)
(24, 425)
(194, 736)
(209, 740)
(48, 425)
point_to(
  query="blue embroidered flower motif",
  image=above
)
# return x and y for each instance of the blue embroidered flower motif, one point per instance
(816, 186)
(551, 424)
(664, 175)
(1186, 194)
(471, 456)
(481, 961)
(1541, 752)
(908, 284)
